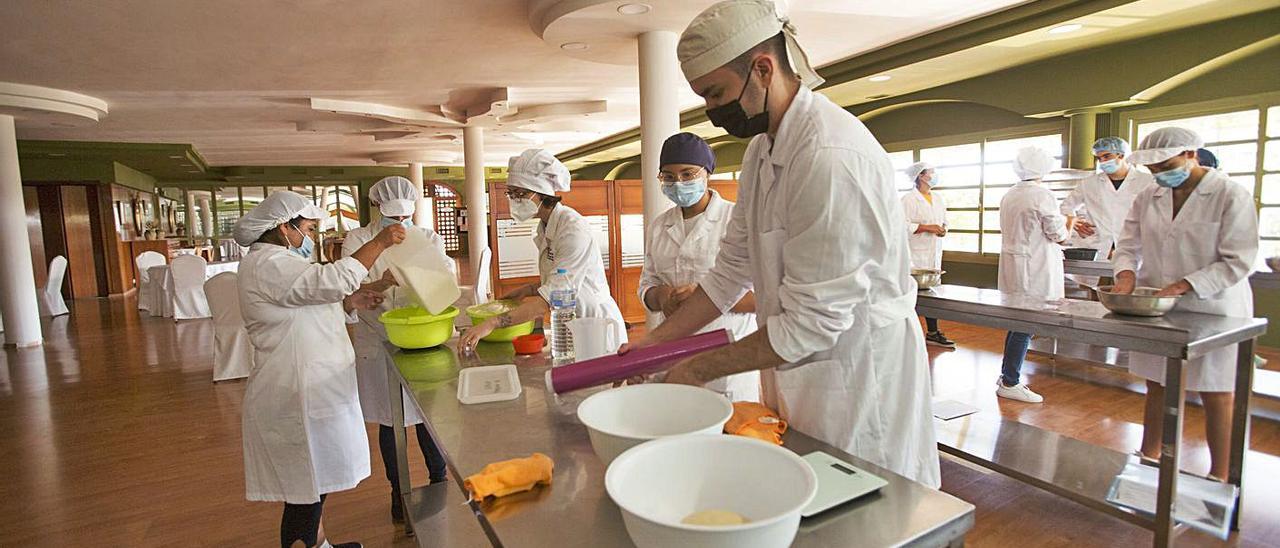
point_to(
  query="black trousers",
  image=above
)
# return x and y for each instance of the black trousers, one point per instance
(430, 452)
(300, 522)
(932, 324)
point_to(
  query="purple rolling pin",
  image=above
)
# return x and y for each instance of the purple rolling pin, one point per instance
(643, 361)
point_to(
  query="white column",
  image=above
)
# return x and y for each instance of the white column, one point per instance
(659, 115)
(206, 218)
(477, 205)
(17, 280)
(421, 215)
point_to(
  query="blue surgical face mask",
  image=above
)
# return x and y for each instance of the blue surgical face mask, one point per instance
(1110, 166)
(388, 221)
(308, 245)
(1173, 178)
(686, 194)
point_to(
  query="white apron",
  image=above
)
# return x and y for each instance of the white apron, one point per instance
(301, 423)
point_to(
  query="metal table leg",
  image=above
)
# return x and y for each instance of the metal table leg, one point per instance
(1170, 443)
(1240, 423)
(396, 397)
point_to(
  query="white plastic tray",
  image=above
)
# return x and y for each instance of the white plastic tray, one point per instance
(489, 383)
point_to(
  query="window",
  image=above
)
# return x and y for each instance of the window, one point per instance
(972, 178)
(1246, 153)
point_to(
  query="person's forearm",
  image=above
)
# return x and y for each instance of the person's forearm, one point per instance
(369, 252)
(654, 296)
(522, 292)
(694, 313)
(746, 305)
(531, 308)
(752, 353)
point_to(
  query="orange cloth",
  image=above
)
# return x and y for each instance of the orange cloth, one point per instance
(510, 476)
(754, 420)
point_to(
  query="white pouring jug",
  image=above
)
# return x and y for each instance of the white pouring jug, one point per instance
(418, 270)
(594, 337)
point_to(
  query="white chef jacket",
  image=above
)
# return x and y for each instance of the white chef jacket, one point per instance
(818, 233)
(368, 335)
(1030, 227)
(1105, 205)
(1212, 244)
(676, 257)
(302, 428)
(564, 241)
(926, 248)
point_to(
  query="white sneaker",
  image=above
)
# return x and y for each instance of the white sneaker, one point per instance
(1018, 393)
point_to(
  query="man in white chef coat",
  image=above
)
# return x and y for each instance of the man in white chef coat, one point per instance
(1104, 199)
(818, 234)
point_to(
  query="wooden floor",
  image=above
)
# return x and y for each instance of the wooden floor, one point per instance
(115, 436)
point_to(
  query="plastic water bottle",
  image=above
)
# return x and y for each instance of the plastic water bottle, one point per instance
(564, 308)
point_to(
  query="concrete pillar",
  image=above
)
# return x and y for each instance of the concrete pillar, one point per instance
(477, 204)
(1081, 134)
(18, 305)
(659, 111)
(421, 209)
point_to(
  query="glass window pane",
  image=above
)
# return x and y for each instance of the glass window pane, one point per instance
(1269, 222)
(991, 220)
(228, 210)
(1271, 189)
(962, 220)
(1006, 149)
(952, 155)
(1229, 126)
(1267, 248)
(1241, 157)
(902, 159)
(252, 196)
(992, 195)
(1249, 182)
(632, 228)
(1272, 160)
(1273, 121)
(967, 197)
(960, 242)
(991, 242)
(1000, 173)
(959, 176)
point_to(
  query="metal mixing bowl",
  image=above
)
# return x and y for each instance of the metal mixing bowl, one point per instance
(1142, 302)
(927, 277)
(1080, 254)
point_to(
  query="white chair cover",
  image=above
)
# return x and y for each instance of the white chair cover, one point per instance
(50, 298)
(146, 260)
(484, 284)
(232, 354)
(160, 288)
(187, 273)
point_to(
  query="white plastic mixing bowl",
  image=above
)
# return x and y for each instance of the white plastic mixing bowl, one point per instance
(659, 483)
(621, 418)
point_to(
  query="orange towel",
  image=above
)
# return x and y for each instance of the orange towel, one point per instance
(754, 420)
(510, 476)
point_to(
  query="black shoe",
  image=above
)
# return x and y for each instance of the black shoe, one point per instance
(397, 508)
(936, 338)
(348, 545)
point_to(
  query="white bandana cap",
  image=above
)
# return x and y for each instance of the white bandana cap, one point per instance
(1165, 143)
(277, 209)
(728, 29)
(539, 171)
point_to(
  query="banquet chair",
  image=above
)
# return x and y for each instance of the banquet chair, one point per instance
(145, 260)
(232, 353)
(50, 297)
(189, 302)
(479, 292)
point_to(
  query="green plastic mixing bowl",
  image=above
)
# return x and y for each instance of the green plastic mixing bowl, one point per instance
(484, 311)
(412, 327)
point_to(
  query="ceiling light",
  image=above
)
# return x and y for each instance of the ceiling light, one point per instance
(178, 157)
(573, 46)
(634, 9)
(880, 78)
(192, 171)
(1063, 29)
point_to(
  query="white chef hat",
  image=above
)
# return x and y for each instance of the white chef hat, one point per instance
(914, 170)
(395, 196)
(539, 171)
(1165, 143)
(279, 208)
(728, 29)
(1033, 163)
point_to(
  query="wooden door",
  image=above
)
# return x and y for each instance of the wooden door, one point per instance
(82, 274)
(35, 234)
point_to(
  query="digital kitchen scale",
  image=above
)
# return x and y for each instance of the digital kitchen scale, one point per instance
(838, 482)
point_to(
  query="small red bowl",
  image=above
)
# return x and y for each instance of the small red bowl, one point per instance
(529, 344)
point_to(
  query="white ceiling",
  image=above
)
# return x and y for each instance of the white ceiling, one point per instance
(236, 77)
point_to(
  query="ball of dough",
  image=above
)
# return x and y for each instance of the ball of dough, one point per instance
(714, 517)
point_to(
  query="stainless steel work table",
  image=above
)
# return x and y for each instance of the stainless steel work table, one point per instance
(1258, 280)
(575, 510)
(1177, 336)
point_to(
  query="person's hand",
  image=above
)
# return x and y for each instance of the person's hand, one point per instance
(391, 235)
(364, 299)
(1174, 289)
(676, 297)
(1080, 226)
(468, 341)
(685, 372)
(1124, 283)
(387, 281)
(940, 230)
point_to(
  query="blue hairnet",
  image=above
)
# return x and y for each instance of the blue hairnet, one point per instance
(687, 148)
(1111, 144)
(1206, 158)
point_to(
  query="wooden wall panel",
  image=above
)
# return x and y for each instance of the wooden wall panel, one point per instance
(81, 271)
(55, 240)
(632, 309)
(630, 196)
(35, 234)
(589, 197)
(728, 189)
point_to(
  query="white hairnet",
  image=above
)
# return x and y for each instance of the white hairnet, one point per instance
(395, 196)
(914, 170)
(1165, 143)
(538, 170)
(1033, 163)
(279, 208)
(728, 29)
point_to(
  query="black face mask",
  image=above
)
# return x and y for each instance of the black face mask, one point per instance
(734, 120)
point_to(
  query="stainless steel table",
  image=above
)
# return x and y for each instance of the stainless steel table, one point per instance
(575, 510)
(1177, 336)
(1259, 280)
